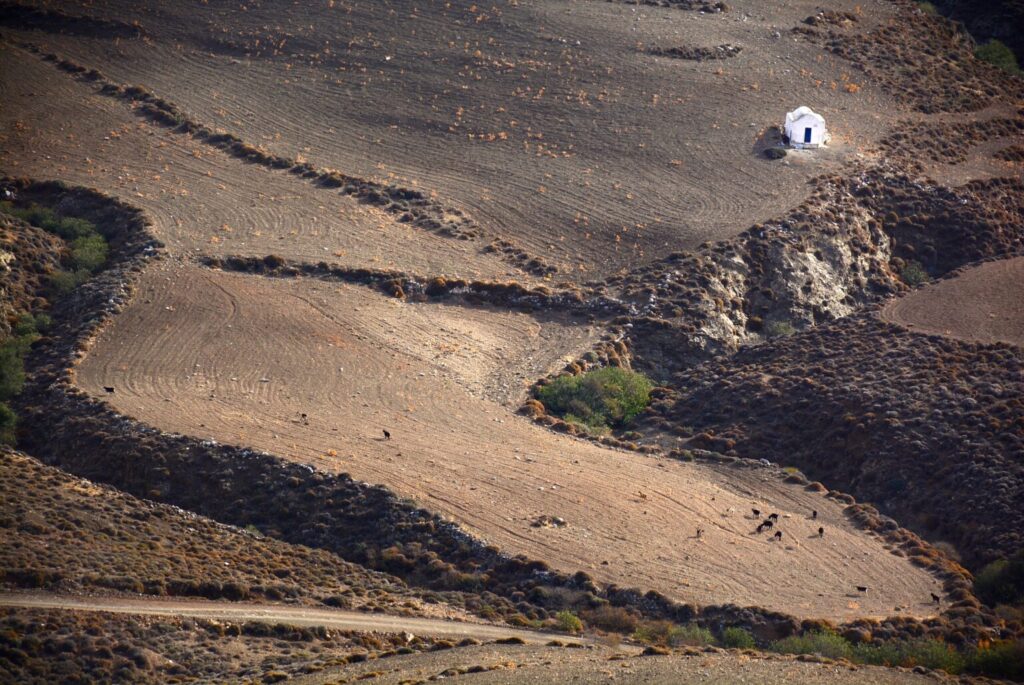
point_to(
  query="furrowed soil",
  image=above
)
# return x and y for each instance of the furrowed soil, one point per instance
(200, 200)
(585, 146)
(983, 304)
(550, 124)
(239, 359)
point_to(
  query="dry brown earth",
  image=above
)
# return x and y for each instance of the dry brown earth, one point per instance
(982, 304)
(200, 200)
(239, 358)
(547, 122)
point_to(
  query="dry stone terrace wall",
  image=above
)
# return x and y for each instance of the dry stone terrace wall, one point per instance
(295, 503)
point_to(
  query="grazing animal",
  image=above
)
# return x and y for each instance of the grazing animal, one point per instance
(305, 420)
(757, 513)
(814, 514)
(936, 598)
(760, 528)
(700, 532)
(768, 523)
(821, 532)
(778, 535)
(773, 517)
(862, 589)
(387, 435)
(109, 389)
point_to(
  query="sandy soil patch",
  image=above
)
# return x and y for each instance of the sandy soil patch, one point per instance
(239, 358)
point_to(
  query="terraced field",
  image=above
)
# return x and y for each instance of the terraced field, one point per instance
(547, 122)
(239, 359)
(983, 304)
(584, 149)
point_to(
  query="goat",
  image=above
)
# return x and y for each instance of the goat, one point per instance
(700, 532)
(757, 513)
(862, 589)
(821, 532)
(305, 419)
(778, 535)
(109, 389)
(387, 435)
(760, 528)
(936, 598)
(773, 517)
(814, 515)
(768, 523)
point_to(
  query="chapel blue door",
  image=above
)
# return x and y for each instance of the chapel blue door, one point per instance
(807, 135)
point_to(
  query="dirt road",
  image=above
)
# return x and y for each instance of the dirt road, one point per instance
(277, 613)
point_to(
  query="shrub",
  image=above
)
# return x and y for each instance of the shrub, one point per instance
(925, 652)
(737, 638)
(569, 622)
(927, 8)
(691, 635)
(667, 633)
(603, 397)
(1002, 581)
(779, 329)
(914, 274)
(89, 252)
(12, 368)
(996, 53)
(1001, 660)
(64, 282)
(822, 643)
(613, 619)
(8, 424)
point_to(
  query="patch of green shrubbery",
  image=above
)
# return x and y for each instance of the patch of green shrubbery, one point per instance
(669, 634)
(996, 53)
(998, 660)
(599, 399)
(12, 367)
(914, 274)
(737, 638)
(1002, 582)
(87, 246)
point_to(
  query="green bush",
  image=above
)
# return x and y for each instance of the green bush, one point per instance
(12, 368)
(823, 643)
(668, 634)
(737, 638)
(610, 396)
(88, 246)
(691, 635)
(64, 282)
(914, 274)
(996, 53)
(8, 422)
(88, 252)
(1002, 581)
(932, 654)
(1001, 660)
(927, 8)
(569, 622)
